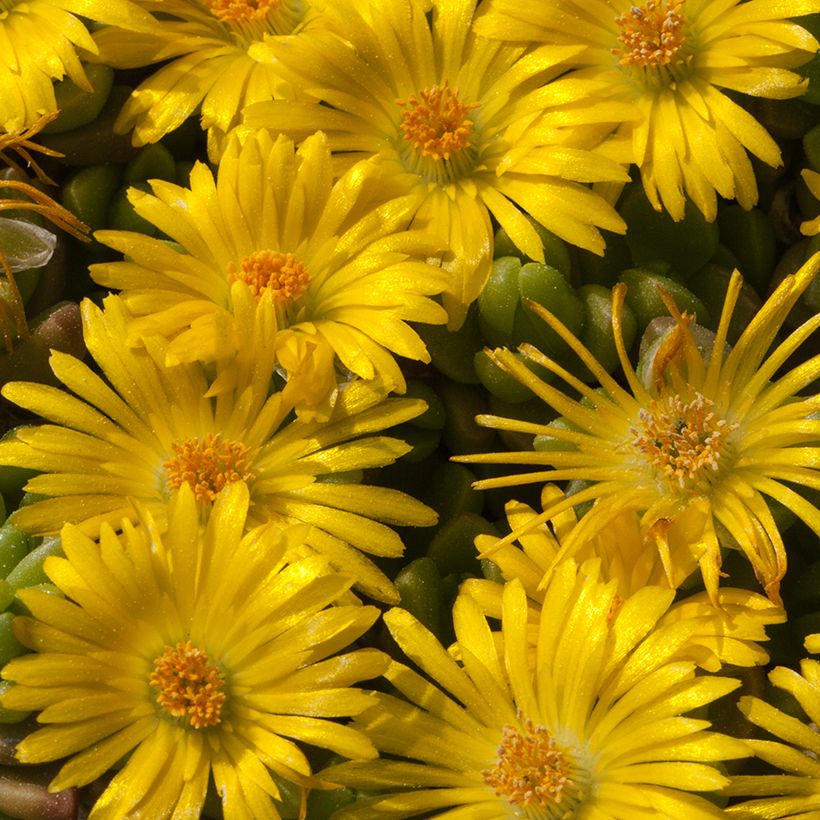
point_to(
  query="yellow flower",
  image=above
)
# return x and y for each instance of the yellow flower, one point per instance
(39, 40)
(189, 656)
(811, 227)
(589, 724)
(671, 59)
(160, 428)
(204, 46)
(330, 261)
(449, 115)
(635, 560)
(711, 433)
(796, 793)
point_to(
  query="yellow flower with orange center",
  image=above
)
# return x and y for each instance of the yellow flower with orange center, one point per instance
(152, 430)
(193, 656)
(333, 263)
(710, 434)
(587, 722)
(448, 116)
(673, 61)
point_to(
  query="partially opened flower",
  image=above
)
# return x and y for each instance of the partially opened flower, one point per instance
(717, 432)
(329, 261)
(634, 559)
(155, 429)
(591, 723)
(189, 656)
(203, 47)
(40, 42)
(672, 59)
(449, 113)
(795, 791)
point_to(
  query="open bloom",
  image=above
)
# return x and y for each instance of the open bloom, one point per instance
(796, 792)
(40, 40)
(713, 433)
(635, 560)
(204, 46)
(588, 724)
(329, 261)
(155, 429)
(449, 115)
(189, 656)
(671, 59)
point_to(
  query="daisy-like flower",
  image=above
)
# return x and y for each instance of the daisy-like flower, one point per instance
(155, 429)
(332, 261)
(811, 227)
(715, 432)
(40, 39)
(590, 724)
(796, 792)
(449, 115)
(635, 560)
(189, 656)
(673, 59)
(205, 47)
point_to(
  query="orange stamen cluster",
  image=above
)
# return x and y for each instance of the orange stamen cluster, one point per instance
(530, 770)
(436, 122)
(681, 438)
(189, 686)
(650, 35)
(281, 273)
(241, 11)
(208, 464)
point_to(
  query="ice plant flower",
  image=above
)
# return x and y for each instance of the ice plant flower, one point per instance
(40, 42)
(634, 559)
(188, 656)
(590, 724)
(155, 429)
(674, 60)
(449, 115)
(715, 432)
(204, 47)
(796, 792)
(331, 261)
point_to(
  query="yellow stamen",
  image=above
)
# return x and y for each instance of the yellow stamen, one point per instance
(651, 35)
(189, 686)
(281, 273)
(436, 122)
(681, 439)
(530, 770)
(207, 465)
(241, 11)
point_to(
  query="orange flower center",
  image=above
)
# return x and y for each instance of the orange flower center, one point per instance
(436, 122)
(530, 770)
(189, 687)
(651, 34)
(241, 11)
(282, 273)
(208, 464)
(681, 439)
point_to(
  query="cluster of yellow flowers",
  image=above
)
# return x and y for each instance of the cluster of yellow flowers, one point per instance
(203, 644)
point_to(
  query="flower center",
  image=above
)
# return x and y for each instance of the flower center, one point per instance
(281, 273)
(651, 34)
(436, 122)
(241, 11)
(530, 770)
(208, 464)
(680, 439)
(189, 686)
